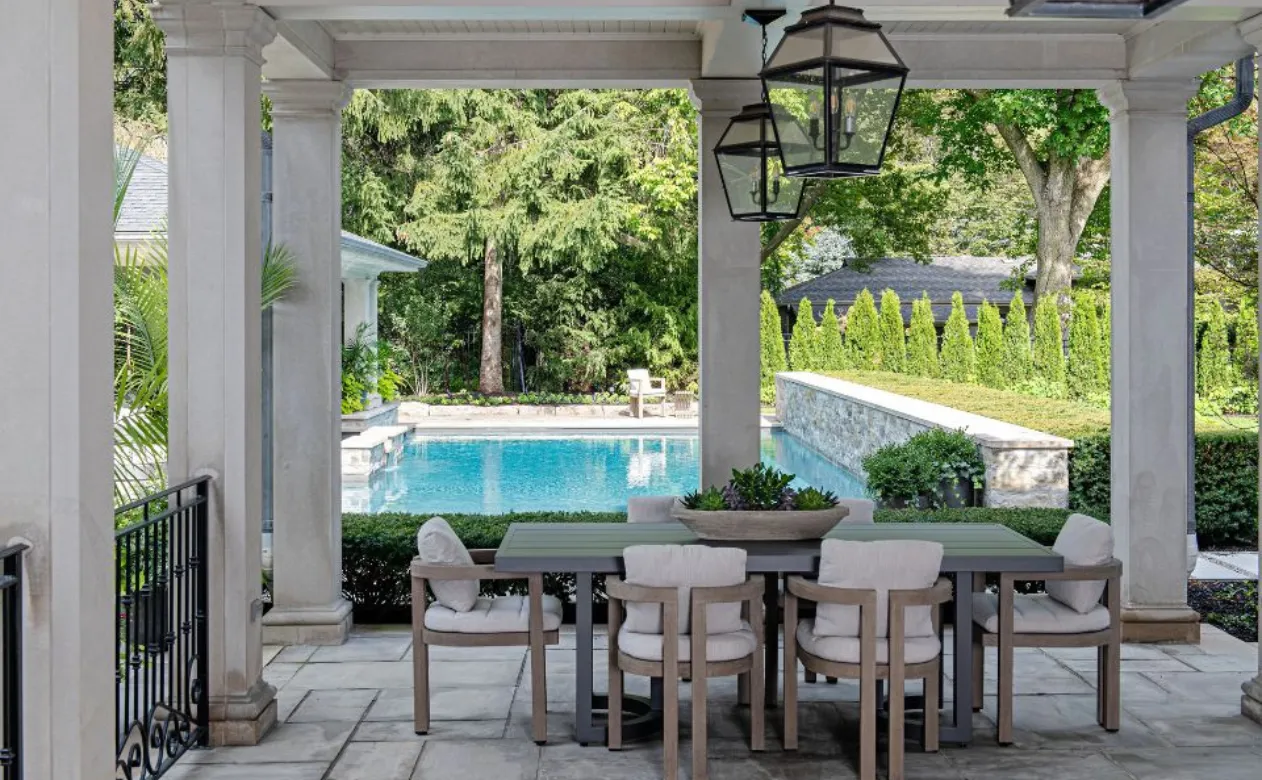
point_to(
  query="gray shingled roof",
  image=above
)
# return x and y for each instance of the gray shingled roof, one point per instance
(976, 279)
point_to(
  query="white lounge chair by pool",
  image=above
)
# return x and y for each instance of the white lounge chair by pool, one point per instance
(641, 386)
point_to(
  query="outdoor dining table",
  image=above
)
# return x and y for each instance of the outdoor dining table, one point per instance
(586, 549)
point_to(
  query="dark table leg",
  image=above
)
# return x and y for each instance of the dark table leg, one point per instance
(771, 606)
(961, 730)
(585, 729)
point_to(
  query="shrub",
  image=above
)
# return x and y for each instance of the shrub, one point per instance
(803, 344)
(921, 467)
(922, 346)
(1086, 366)
(959, 357)
(989, 345)
(1106, 342)
(863, 333)
(832, 353)
(893, 333)
(1246, 352)
(1213, 360)
(1018, 365)
(771, 345)
(1049, 347)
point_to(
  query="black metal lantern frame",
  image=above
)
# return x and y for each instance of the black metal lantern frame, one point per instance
(849, 64)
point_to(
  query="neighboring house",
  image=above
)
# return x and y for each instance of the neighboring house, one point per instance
(975, 278)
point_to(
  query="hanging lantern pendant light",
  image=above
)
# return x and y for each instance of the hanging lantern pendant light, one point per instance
(834, 85)
(751, 166)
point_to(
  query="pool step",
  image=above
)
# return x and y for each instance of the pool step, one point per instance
(364, 454)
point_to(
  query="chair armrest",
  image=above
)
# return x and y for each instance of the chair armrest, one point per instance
(617, 589)
(485, 571)
(752, 588)
(826, 594)
(483, 556)
(657, 383)
(939, 593)
(1109, 571)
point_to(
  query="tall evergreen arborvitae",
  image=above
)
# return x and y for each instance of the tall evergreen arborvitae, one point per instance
(832, 353)
(989, 345)
(771, 347)
(922, 343)
(1246, 354)
(1049, 347)
(1213, 359)
(893, 333)
(863, 333)
(959, 355)
(803, 343)
(1086, 367)
(1106, 343)
(1018, 365)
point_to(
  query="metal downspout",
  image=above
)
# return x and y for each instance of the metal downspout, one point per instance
(1240, 102)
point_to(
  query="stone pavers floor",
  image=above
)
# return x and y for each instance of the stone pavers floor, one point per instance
(1226, 566)
(345, 714)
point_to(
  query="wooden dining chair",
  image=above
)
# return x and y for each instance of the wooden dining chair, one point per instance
(1081, 608)
(869, 626)
(685, 612)
(862, 511)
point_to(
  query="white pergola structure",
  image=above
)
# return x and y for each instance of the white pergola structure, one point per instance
(55, 182)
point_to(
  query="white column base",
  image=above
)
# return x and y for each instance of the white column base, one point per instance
(329, 625)
(1251, 702)
(242, 719)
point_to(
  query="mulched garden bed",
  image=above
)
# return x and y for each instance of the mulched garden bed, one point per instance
(1231, 606)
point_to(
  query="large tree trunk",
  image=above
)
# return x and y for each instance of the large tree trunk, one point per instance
(491, 371)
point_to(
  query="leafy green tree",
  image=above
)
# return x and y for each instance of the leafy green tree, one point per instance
(140, 74)
(1213, 359)
(771, 346)
(893, 333)
(863, 333)
(1049, 347)
(922, 343)
(832, 353)
(959, 355)
(1086, 365)
(804, 342)
(1018, 365)
(989, 345)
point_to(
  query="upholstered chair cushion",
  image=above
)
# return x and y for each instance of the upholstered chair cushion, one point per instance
(1084, 541)
(861, 510)
(683, 567)
(650, 509)
(718, 647)
(1038, 614)
(881, 566)
(846, 649)
(438, 545)
(498, 615)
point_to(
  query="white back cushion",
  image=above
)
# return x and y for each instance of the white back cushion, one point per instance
(683, 567)
(861, 510)
(880, 566)
(438, 545)
(650, 509)
(1084, 541)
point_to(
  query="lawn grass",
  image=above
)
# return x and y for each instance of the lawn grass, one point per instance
(1070, 419)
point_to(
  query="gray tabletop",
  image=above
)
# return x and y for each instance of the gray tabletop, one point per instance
(597, 547)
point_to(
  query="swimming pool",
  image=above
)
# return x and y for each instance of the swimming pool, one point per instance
(521, 473)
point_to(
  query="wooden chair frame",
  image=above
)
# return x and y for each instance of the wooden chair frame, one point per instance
(535, 637)
(1108, 642)
(867, 671)
(698, 669)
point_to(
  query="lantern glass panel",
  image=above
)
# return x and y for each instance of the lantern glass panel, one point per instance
(784, 194)
(797, 103)
(802, 46)
(862, 107)
(742, 178)
(861, 45)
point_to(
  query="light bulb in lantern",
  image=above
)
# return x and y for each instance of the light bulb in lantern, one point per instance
(852, 114)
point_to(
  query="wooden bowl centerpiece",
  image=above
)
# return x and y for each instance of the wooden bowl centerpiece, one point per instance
(758, 505)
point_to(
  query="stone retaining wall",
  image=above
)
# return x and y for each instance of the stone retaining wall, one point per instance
(847, 422)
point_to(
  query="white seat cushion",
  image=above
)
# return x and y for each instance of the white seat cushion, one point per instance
(438, 545)
(683, 567)
(1083, 541)
(861, 510)
(1038, 614)
(498, 615)
(650, 509)
(718, 647)
(846, 649)
(880, 566)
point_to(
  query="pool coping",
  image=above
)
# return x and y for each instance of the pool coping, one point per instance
(599, 426)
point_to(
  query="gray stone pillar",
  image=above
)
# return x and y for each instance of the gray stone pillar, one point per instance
(729, 263)
(307, 603)
(1150, 451)
(1251, 701)
(56, 177)
(214, 57)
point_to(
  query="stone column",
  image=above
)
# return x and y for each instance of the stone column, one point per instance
(55, 312)
(1150, 452)
(1251, 701)
(214, 57)
(729, 263)
(360, 303)
(307, 603)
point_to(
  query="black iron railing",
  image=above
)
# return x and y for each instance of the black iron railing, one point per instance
(160, 630)
(11, 662)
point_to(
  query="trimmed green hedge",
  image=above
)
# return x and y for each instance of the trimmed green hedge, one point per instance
(377, 549)
(1226, 485)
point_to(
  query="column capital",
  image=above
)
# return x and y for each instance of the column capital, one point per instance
(724, 96)
(312, 98)
(1149, 96)
(225, 29)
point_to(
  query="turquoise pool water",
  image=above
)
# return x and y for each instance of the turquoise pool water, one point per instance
(496, 474)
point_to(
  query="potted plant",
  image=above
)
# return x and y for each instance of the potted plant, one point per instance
(934, 468)
(759, 504)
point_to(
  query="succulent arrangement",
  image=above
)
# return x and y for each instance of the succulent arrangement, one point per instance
(759, 489)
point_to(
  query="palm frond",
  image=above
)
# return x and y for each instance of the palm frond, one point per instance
(280, 273)
(125, 161)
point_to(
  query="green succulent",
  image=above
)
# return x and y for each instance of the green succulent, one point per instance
(708, 500)
(811, 499)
